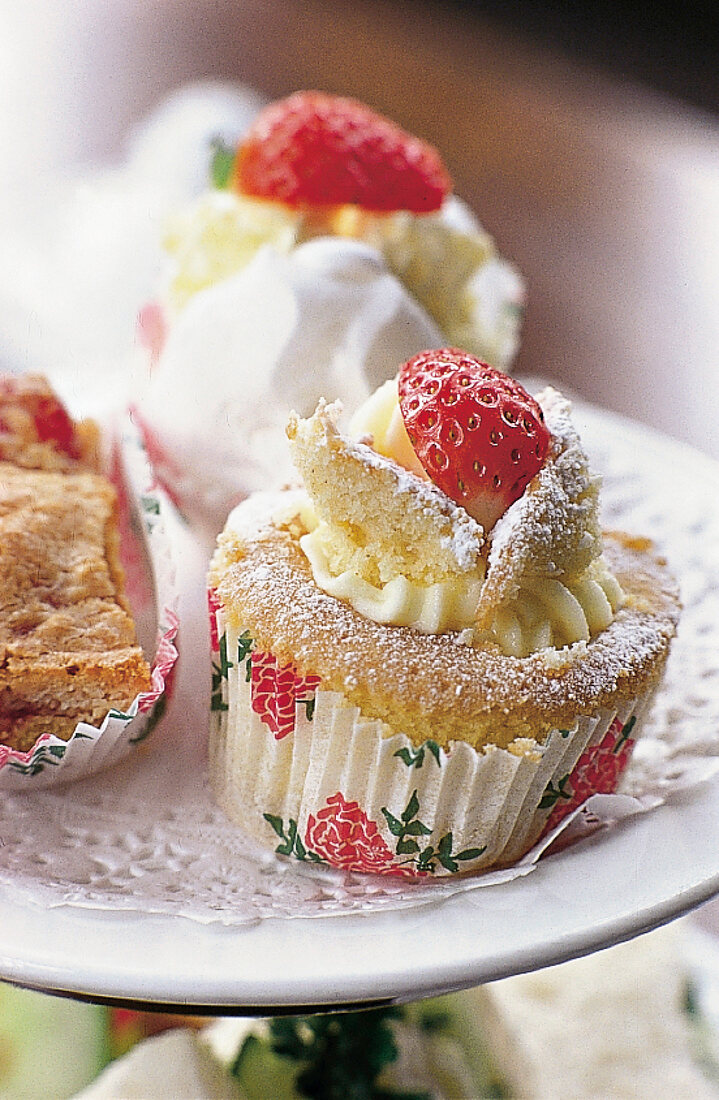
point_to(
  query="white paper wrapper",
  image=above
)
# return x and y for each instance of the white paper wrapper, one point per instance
(146, 556)
(302, 770)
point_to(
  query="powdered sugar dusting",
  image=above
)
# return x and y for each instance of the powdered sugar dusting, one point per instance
(465, 537)
(147, 838)
(553, 529)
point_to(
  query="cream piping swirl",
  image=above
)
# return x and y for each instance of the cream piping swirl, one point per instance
(546, 612)
(431, 609)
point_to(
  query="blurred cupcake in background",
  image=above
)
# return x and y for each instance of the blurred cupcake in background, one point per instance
(329, 247)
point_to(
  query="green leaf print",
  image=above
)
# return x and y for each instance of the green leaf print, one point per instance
(412, 809)
(220, 672)
(291, 841)
(406, 847)
(217, 702)
(277, 824)
(624, 735)
(309, 705)
(553, 794)
(244, 653)
(414, 758)
(408, 827)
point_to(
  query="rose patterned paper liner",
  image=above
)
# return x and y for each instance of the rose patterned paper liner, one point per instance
(146, 554)
(300, 769)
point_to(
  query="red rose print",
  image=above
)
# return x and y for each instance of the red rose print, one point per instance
(596, 772)
(214, 606)
(345, 837)
(275, 689)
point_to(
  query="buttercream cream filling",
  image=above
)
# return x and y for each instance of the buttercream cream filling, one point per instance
(549, 612)
(433, 609)
(546, 612)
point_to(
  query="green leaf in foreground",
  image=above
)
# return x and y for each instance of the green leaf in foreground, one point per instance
(340, 1057)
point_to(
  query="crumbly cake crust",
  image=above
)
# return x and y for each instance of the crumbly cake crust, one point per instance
(68, 650)
(22, 733)
(433, 686)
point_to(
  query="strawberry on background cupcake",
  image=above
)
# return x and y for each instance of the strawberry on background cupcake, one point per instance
(316, 164)
(329, 248)
(317, 150)
(459, 654)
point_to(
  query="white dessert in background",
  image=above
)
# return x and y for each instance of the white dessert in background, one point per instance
(327, 316)
(171, 1066)
(445, 260)
(608, 1026)
(83, 251)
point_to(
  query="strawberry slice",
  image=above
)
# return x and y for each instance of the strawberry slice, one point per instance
(479, 435)
(318, 149)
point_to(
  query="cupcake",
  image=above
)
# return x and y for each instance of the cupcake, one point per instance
(331, 235)
(428, 652)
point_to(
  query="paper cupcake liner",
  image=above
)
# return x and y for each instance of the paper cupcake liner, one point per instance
(146, 554)
(301, 769)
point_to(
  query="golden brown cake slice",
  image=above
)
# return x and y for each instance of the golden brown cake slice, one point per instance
(68, 650)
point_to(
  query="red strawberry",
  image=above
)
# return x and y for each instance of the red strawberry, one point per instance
(479, 435)
(53, 424)
(50, 420)
(318, 149)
